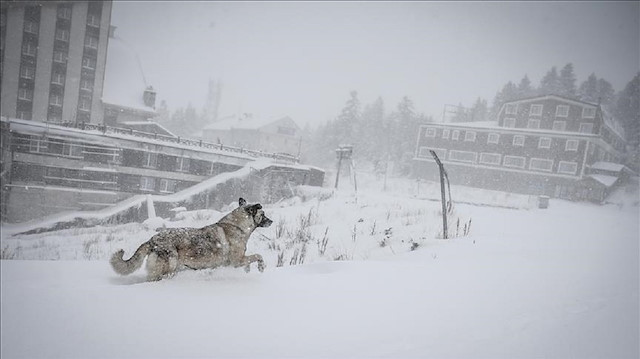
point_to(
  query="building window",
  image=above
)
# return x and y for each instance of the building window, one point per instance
(59, 57)
(23, 115)
(540, 164)
(89, 63)
(513, 161)
(518, 140)
(430, 132)
(536, 110)
(493, 138)
(72, 150)
(490, 158)
(562, 111)
(55, 100)
(569, 168)
(57, 78)
(510, 122)
(463, 156)
(27, 72)
(470, 136)
(86, 84)
(559, 125)
(455, 135)
(31, 27)
(445, 134)
(84, 103)
(93, 20)
(544, 142)
(183, 164)
(150, 160)
(25, 94)
(589, 112)
(147, 183)
(572, 145)
(29, 48)
(62, 35)
(91, 42)
(586, 128)
(167, 186)
(64, 12)
(533, 123)
(511, 109)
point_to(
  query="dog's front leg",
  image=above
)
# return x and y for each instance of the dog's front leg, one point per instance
(247, 260)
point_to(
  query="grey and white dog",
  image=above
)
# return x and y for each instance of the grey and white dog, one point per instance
(220, 244)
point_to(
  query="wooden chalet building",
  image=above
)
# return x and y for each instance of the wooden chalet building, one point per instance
(545, 145)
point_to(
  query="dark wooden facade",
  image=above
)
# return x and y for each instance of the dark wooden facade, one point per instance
(542, 146)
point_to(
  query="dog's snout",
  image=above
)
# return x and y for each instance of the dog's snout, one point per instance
(266, 222)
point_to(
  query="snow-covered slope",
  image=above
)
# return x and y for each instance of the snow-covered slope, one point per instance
(557, 283)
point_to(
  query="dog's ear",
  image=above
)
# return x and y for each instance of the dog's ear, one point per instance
(241, 202)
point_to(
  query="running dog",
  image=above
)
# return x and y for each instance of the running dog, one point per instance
(219, 244)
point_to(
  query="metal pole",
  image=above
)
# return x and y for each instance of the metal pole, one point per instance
(443, 196)
(444, 204)
(339, 165)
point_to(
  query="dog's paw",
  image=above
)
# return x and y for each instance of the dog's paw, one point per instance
(261, 266)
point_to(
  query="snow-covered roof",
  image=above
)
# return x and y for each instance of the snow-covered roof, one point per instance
(147, 126)
(124, 81)
(605, 180)
(608, 166)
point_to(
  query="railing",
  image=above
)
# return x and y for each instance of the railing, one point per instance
(178, 140)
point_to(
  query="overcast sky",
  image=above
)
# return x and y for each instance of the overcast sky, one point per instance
(303, 58)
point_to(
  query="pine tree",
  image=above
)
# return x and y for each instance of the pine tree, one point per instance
(567, 81)
(373, 141)
(588, 90)
(550, 83)
(524, 88)
(349, 117)
(605, 92)
(479, 111)
(628, 111)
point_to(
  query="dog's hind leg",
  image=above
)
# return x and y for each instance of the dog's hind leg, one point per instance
(161, 264)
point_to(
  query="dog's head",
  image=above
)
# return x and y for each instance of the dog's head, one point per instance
(256, 213)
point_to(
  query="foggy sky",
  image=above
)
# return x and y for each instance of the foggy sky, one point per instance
(303, 58)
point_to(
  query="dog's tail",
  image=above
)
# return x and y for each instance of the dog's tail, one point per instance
(124, 267)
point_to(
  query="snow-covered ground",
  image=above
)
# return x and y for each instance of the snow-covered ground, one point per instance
(363, 275)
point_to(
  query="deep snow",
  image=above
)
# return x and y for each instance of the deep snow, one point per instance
(557, 283)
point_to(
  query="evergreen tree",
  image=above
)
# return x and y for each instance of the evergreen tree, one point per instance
(373, 142)
(479, 111)
(567, 81)
(550, 83)
(524, 88)
(605, 92)
(349, 117)
(588, 90)
(628, 111)
(404, 126)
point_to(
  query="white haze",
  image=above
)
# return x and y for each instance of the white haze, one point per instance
(302, 58)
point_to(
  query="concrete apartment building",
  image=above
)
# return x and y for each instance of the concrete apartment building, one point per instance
(54, 59)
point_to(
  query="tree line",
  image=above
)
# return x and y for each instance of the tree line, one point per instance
(381, 136)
